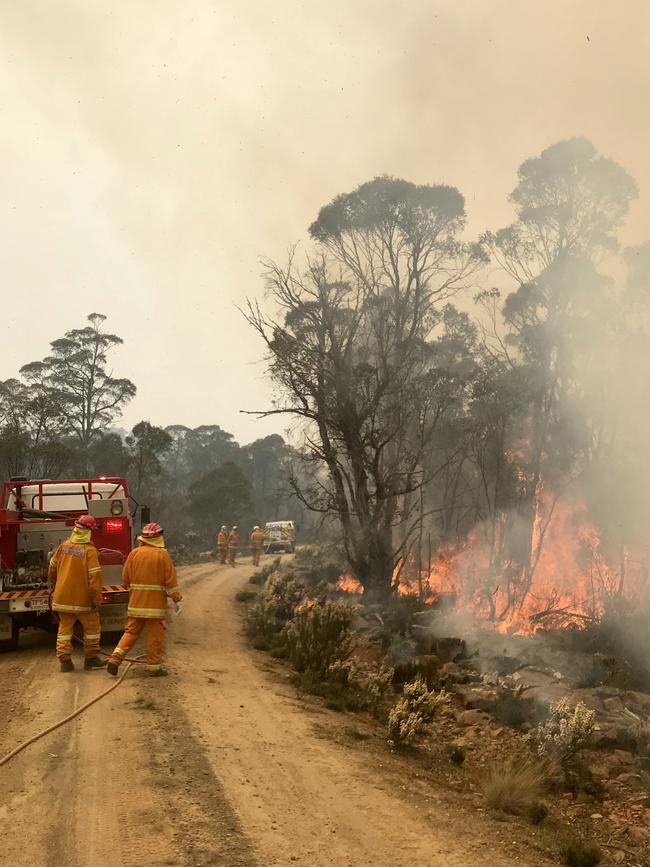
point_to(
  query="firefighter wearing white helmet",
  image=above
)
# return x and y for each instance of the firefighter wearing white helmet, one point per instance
(256, 540)
(222, 544)
(150, 575)
(233, 545)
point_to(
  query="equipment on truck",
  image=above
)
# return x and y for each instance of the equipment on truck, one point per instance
(279, 536)
(36, 515)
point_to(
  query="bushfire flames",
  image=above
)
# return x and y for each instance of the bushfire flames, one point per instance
(566, 577)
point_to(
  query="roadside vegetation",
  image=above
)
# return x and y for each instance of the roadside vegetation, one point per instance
(516, 756)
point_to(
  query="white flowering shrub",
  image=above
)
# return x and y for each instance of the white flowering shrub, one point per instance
(567, 730)
(411, 715)
(369, 682)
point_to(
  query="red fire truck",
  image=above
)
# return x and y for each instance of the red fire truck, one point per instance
(35, 516)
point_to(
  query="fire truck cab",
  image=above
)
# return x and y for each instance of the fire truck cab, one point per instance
(35, 517)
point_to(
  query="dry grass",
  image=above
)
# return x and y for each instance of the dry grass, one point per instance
(514, 786)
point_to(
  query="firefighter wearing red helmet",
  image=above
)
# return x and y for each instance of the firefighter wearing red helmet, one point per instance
(77, 577)
(151, 578)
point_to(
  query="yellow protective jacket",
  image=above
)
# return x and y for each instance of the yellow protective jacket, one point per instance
(222, 539)
(257, 537)
(151, 577)
(233, 539)
(77, 576)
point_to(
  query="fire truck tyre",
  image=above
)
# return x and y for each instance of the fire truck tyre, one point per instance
(8, 644)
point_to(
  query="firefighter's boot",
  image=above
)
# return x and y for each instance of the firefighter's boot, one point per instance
(67, 665)
(159, 672)
(93, 662)
(111, 668)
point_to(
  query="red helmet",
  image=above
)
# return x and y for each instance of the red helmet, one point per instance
(150, 531)
(86, 522)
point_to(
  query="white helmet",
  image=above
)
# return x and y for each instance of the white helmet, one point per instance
(223, 527)
(255, 527)
(235, 527)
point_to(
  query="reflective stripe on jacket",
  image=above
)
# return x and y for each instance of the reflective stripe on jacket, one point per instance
(222, 539)
(77, 575)
(257, 537)
(151, 577)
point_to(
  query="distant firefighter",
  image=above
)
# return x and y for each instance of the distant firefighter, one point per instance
(222, 544)
(257, 537)
(233, 544)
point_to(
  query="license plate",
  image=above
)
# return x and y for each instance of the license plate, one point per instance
(39, 604)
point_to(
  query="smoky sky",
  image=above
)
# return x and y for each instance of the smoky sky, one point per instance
(152, 152)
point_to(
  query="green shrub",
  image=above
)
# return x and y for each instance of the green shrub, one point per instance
(318, 637)
(512, 710)
(537, 813)
(640, 737)
(514, 786)
(245, 595)
(575, 853)
(457, 754)
(410, 717)
(276, 604)
(262, 575)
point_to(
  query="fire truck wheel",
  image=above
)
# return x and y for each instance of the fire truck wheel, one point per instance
(10, 643)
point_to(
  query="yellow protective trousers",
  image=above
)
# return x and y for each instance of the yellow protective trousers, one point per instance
(91, 627)
(223, 553)
(232, 553)
(256, 556)
(155, 641)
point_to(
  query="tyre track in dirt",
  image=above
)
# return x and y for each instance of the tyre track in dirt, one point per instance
(123, 785)
(219, 764)
(302, 798)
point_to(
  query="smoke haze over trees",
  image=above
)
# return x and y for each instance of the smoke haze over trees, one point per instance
(490, 420)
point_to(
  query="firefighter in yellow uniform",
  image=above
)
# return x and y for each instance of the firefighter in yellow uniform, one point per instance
(151, 577)
(233, 544)
(222, 544)
(257, 537)
(77, 577)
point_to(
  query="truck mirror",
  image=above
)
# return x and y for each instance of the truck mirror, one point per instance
(145, 515)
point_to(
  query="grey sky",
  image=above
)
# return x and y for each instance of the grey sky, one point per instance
(152, 151)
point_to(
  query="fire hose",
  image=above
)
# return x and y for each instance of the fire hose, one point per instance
(70, 716)
(79, 710)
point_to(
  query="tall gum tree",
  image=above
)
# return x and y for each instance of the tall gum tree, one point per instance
(569, 202)
(349, 349)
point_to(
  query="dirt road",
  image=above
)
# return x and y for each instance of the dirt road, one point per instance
(218, 764)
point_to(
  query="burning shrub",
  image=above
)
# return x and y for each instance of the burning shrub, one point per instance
(319, 637)
(567, 730)
(409, 718)
(515, 786)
